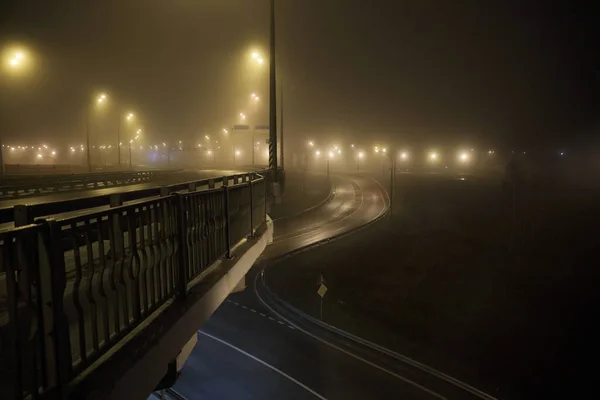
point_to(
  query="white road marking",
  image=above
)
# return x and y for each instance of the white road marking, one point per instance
(253, 310)
(291, 327)
(237, 304)
(272, 319)
(262, 315)
(423, 388)
(280, 372)
(280, 322)
(243, 306)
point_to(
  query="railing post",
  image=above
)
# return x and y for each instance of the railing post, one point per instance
(53, 283)
(22, 215)
(265, 193)
(227, 220)
(182, 259)
(251, 209)
(116, 201)
(211, 183)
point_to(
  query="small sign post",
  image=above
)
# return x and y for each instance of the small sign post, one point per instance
(321, 292)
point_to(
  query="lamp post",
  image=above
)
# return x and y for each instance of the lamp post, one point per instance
(16, 61)
(128, 118)
(100, 100)
(392, 174)
(138, 133)
(360, 156)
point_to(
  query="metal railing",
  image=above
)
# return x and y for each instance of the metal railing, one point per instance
(72, 288)
(26, 214)
(17, 186)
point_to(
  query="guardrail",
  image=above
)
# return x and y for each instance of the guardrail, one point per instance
(16, 186)
(26, 214)
(72, 288)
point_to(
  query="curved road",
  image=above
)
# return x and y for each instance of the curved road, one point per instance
(246, 352)
(249, 351)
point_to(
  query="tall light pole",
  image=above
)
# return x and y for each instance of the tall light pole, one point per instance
(128, 118)
(100, 100)
(360, 155)
(16, 61)
(273, 101)
(392, 173)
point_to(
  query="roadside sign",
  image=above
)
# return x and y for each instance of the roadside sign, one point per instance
(322, 290)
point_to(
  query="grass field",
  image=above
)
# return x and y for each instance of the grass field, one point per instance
(496, 292)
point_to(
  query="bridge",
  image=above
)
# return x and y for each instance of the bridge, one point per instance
(91, 281)
(106, 296)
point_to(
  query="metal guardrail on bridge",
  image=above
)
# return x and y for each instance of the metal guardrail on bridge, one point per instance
(25, 214)
(72, 288)
(17, 186)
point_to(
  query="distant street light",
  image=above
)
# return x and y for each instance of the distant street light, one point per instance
(404, 155)
(361, 155)
(16, 60)
(311, 143)
(317, 153)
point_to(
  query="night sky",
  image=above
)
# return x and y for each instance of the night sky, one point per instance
(448, 72)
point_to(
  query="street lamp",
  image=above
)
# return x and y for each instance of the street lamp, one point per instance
(361, 155)
(392, 173)
(100, 100)
(311, 143)
(128, 119)
(15, 60)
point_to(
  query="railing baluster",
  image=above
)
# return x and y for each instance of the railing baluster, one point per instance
(133, 266)
(123, 261)
(142, 221)
(112, 232)
(76, 299)
(90, 283)
(101, 289)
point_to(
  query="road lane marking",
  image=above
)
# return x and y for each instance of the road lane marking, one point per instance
(237, 304)
(280, 322)
(330, 221)
(243, 306)
(400, 377)
(262, 315)
(297, 382)
(253, 310)
(291, 327)
(272, 319)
